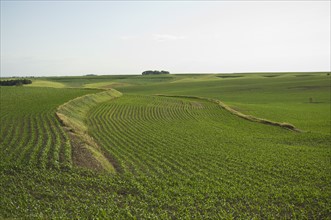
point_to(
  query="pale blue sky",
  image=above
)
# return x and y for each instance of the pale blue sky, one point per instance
(44, 38)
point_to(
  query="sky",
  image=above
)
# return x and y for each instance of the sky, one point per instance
(56, 38)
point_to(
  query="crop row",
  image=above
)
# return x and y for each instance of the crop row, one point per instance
(189, 153)
(175, 158)
(30, 134)
(34, 141)
(136, 141)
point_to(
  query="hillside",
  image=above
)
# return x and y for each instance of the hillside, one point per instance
(171, 156)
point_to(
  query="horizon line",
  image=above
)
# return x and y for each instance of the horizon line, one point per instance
(175, 73)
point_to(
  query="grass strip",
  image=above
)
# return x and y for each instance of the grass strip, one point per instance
(72, 115)
(284, 125)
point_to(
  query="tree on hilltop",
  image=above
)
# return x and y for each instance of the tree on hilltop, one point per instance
(155, 72)
(15, 82)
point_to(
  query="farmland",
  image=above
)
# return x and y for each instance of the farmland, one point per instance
(173, 156)
(30, 133)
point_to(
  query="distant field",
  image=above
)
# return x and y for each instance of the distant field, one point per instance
(46, 83)
(173, 157)
(282, 98)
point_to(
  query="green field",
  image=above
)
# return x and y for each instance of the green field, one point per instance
(31, 135)
(134, 154)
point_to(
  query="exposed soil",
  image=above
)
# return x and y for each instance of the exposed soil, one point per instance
(81, 156)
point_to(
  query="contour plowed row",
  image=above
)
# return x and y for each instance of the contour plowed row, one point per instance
(35, 141)
(156, 135)
(188, 150)
(30, 134)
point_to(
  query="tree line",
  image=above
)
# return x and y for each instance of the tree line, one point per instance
(15, 82)
(154, 72)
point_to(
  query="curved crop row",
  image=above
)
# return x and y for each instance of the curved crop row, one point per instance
(239, 114)
(126, 130)
(182, 151)
(30, 134)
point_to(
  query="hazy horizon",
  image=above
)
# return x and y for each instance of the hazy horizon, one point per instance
(45, 38)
